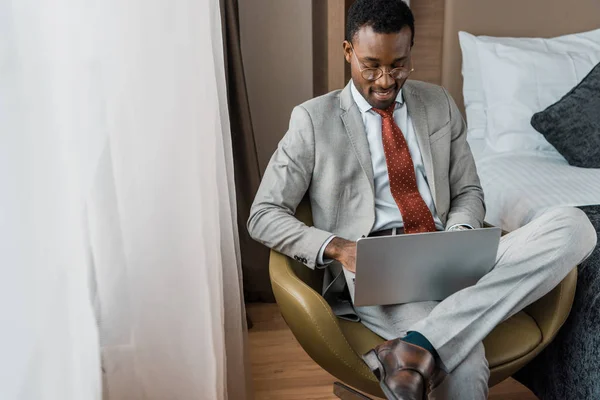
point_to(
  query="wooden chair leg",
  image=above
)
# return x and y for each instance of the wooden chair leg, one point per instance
(344, 392)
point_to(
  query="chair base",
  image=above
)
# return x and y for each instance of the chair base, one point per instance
(344, 392)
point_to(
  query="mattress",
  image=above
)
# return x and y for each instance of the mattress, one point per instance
(517, 187)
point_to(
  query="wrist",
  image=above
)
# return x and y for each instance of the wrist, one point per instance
(338, 248)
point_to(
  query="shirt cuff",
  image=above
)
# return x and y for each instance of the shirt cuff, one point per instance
(458, 227)
(320, 260)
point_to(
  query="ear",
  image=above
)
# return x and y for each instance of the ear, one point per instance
(347, 51)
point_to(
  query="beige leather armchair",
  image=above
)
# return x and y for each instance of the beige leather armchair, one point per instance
(336, 345)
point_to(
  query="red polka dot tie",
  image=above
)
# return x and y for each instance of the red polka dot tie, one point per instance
(403, 181)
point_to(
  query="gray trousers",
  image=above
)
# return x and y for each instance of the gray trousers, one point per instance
(531, 261)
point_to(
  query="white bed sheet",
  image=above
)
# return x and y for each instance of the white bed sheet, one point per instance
(517, 187)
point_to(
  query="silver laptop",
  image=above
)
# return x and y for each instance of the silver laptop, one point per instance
(422, 266)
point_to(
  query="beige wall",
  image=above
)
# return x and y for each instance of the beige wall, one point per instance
(276, 38)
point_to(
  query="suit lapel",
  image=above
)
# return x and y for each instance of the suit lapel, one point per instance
(355, 130)
(418, 113)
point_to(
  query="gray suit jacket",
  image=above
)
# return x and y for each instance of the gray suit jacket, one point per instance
(325, 153)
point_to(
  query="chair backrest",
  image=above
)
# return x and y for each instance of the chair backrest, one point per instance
(297, 290)
(313, 278)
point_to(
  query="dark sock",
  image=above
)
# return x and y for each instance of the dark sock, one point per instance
(417, 339)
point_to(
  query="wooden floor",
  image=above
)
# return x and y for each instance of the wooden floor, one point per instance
(281, 370)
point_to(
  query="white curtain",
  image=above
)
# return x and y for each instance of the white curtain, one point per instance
(118, 204)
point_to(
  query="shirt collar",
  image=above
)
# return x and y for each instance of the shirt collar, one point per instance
(362, 104)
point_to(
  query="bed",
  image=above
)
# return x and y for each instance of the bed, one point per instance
(518, 185)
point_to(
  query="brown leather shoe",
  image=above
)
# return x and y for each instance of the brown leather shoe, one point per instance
(405, 371)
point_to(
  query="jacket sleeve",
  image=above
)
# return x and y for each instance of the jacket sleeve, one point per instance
(284, 184)
(466, 195)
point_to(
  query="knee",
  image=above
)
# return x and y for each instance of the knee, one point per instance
(582, 232)
(564, 216)
(589, 236)
(575, 228)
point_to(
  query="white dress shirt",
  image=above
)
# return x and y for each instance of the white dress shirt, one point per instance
(387, 213)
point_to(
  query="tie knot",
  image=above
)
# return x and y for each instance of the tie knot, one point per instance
(388, 112)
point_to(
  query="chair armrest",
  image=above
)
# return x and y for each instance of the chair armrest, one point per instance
(313, 323)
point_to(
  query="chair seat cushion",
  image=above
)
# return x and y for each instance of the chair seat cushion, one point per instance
(514, 338)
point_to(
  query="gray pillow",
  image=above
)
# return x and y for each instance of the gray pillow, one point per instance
(572, 125)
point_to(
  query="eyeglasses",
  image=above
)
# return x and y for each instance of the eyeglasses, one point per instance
(372, 74)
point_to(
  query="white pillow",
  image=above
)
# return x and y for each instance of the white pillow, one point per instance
(473, 85)
(517, 83)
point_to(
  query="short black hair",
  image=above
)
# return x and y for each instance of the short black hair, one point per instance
(384, 16)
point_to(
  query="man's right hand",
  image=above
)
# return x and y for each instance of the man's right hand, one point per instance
(343, 251)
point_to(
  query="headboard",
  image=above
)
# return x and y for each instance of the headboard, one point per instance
(515, 18)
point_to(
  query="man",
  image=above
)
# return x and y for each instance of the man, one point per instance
(389, 156)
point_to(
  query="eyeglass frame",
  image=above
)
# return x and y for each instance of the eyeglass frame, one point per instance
(382, 72)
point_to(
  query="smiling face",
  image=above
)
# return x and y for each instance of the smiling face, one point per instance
(379, 50)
